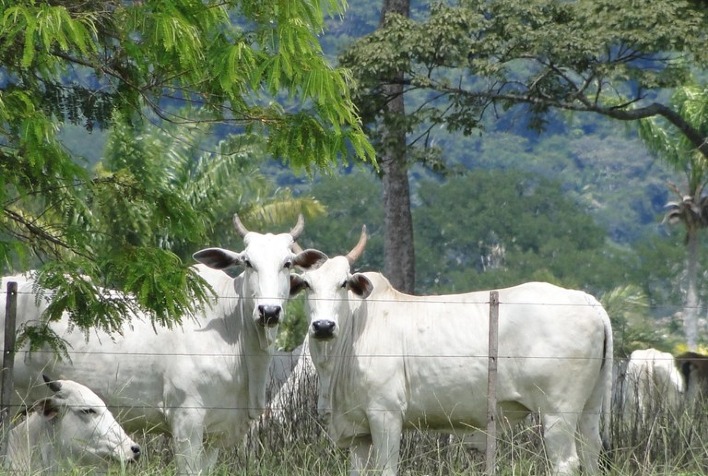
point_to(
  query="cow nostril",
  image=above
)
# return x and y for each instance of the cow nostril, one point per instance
(323, 328)
(269, 311)
(136, 450)
(269, 315)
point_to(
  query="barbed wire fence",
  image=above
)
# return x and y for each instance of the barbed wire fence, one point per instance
(306, 398)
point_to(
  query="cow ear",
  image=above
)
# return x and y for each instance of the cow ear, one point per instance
(218, 258)
(46, 407)
(310, 259)
(53, 385)
(297, 284)
(360, 285)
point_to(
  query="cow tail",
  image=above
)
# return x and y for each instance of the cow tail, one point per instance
(607, 365)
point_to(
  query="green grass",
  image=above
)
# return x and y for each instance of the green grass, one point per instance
(670, 443)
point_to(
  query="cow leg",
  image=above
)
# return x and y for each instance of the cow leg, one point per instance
(559, 437)
(589, 442)
(359, 454)
(187, 425)
(386, 427)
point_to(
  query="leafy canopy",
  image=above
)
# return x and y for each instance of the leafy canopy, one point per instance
(463, 59)
(247, 66)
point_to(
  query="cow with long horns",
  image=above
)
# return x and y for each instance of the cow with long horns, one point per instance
(389, 361)
(201, 381)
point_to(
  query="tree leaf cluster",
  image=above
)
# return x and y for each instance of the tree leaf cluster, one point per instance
(461, 61)
(177, 66)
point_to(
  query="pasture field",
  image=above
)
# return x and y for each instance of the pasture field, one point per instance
(669, 443)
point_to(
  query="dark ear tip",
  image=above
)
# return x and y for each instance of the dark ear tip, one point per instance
(54, 386)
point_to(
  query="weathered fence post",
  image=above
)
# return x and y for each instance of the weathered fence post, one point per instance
(8, 358)
(491, 451)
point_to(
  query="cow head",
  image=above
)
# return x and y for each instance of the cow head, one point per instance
(327, 283)
(82, 425)
(267, 260)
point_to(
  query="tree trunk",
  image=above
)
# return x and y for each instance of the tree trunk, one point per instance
(690, 310)
(399, 255)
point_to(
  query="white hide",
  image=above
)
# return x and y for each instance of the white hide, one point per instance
(398, 361)
(72, 425)
(202, 382)
(652, 382)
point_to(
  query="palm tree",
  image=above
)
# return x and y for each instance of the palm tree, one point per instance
(691, 208)
(197, 182)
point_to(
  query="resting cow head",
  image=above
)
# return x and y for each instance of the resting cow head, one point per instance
(267, 260)
(327, 282)
(81, 426)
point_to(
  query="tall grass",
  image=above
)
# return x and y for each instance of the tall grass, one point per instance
(671, 441)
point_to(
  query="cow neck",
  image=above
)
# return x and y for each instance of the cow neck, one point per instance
(342, 348)
(37, 436)
(266, 335)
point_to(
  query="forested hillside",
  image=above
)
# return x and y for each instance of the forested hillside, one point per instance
(601, 226)
(600, 198)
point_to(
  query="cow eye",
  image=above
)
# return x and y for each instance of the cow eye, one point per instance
(344, 285)
(247, 263)
(288, 264)
(87, 411)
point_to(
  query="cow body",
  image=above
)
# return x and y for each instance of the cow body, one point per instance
(394, 361)
(201, 381)
(71, 425)
(652, 381)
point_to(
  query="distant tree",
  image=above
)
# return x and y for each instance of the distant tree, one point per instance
(691, 207)
(492, 229)
(458, 64)
(351, 200)
(399, 252)
(249, 66)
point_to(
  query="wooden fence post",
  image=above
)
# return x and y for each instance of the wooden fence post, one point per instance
(491, 450)
(8, 357)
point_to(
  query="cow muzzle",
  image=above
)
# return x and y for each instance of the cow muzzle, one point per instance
(268, 315)
(323, 329)
(134, 454)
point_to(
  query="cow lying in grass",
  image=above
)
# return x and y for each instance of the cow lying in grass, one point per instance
(71, 426)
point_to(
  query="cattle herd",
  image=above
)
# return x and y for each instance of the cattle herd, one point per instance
(386, 361)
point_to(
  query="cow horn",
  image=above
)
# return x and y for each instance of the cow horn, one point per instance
(354, 254)
(52, 384)
(296, 248)
(242, 230)
(299, 226)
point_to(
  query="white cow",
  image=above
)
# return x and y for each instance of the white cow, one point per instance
(389, 361)
(201, 381)
(652, 381)
(72, 424)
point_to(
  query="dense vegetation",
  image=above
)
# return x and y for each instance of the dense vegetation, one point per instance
(103, 178)
(579, 202)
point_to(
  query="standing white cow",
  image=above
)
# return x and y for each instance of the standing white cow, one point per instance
(652, 381)
(389, 361)
(201, 381)
(72, 424)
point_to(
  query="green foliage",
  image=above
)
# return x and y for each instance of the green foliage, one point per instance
(512, 228)
(672, 146)
(159, 73)
(465, 60)
(352, 200)
(628, 309)
(293, 330)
